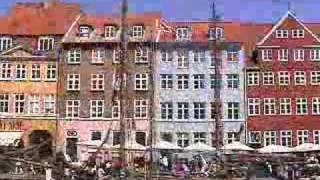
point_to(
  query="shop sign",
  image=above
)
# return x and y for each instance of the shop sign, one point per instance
(7, 125)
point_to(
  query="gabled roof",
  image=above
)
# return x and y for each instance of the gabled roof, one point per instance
(283, 18)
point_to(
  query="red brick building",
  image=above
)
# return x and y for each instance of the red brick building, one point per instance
(283, 85)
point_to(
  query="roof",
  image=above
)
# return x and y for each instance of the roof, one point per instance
(52, 17)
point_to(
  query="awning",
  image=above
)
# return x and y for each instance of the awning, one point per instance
(10, 138)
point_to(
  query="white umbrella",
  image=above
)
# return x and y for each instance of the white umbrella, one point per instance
(305, 147)
(199, 146)
(237, 146)
(166, 145)
(131, 145)
(275, 149)
(94, 143)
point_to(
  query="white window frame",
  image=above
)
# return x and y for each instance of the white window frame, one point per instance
(97, 82)
(259, 136)
(115, 109)
(166, 81)
(116, 56)
(182, 81)
(269, 106)
(268, 78)
(5, 43)
(21, 70)
(232, 56)
(74, 79)
(284, 78)
(233, 81)
(285, 106)
(301, 106)
(253, 78)
(141, 82)
(316, 105)
(282, 33)
(315, 54)
(141, 108)
(298, 54)
(49, 104)
(233, 110)
(98, 55)
(300, 78)
(215, 33)
(137, 31)
(48, 40)
(232, 137)
(96, 109)
(199, 81)
(286, 138)
(304, 135)
(4, 103)
(315, 77)
(74, 56)
(19, 104)
(253, 106)
(6, 71)
(165, 56)
(184, 138)
(166, 110)
(182, 33)
(199, 56)
(283, 54)
(271, 137)
(35, 71)
(297, 33)
(74, 106)
(183, 109)
(141, 55)
(316, 137)
(110, 32)
(51, 72)
(183, 59)
(200, 137)
(34, 104)
(199, 110)
(266, 54)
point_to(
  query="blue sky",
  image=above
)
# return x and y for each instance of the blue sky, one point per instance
(244, 10)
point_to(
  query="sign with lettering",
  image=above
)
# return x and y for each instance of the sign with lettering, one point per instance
(7, 125)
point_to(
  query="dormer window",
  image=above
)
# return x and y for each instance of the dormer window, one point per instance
(5, 43)
(281, 33)
(183, 33)
(84, 31)
(45, 43)
(297, 33)
(110, 31)
(215, 33)
(137, 31)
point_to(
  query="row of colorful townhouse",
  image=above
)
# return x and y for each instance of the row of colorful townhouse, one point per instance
(58, 78)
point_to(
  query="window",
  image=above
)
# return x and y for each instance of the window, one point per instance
(96, 135)
(233, 81)
(232, 137)
(98, 55)
(49, 104)
(183, 81)
(137, 31)
(213, 58)
(283, 54)
(302, 136)
(315, 105)
(5, 43)
(281, 33)
(141, 55)
(74, 56)
(20, 72)
(199, 56)
(268, 78)
(300, 78)
(45, 43)
(166, 110)
(183, 59)
(19, 103)
(110, 31)
(232, 56)
(253, 78)
(84, 31)
(213, 81)
(72, 108)
(302, 106)
(298, 54)
(315, 77)
(266, 54)
(316, 137)
(34, 104)
(200, 137)
(285, 106)
(254, 137)
(166, 136)
(97, 82)
(51, 73)
(4, 103)
(166, 81)
(284, 78)
(165, 56)
(141, 82)
(297, 33)
(233, 110)
(269, 138)
(183, 110)
(116, 55)
(73, 82)
(198, 81)
(115, 137)
(315, 54)
(213, 110)
(35, 72)
(183, 33)
(215, 33)
(183, 139)
(141, 138)
(116, 109)
(269, 106)
(140, 108)
(96, 108)
(117, 81)
(199, 110)
(5, 71)
(286, 138)
(253, 106)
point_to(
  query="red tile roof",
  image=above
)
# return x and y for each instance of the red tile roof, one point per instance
(39, 18)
